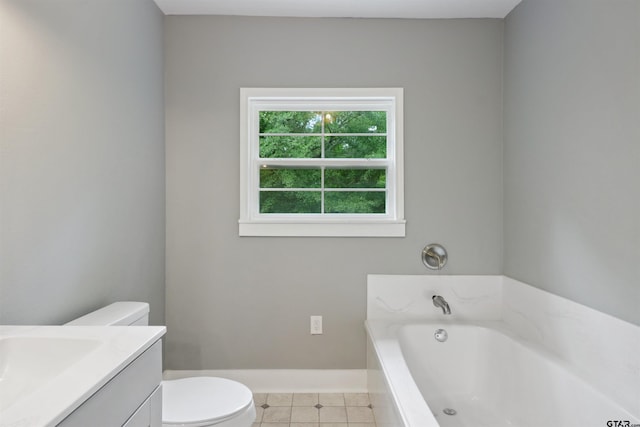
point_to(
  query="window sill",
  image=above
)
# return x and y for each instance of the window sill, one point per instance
(323, 229)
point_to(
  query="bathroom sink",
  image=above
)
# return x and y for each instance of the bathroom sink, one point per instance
(28, 363)
(47, 372)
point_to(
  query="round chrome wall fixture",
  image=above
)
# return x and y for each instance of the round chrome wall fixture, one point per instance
(434, 256)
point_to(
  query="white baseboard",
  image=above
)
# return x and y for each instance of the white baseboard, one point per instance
(287, 380)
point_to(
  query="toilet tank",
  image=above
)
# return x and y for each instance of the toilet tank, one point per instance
(123, 313)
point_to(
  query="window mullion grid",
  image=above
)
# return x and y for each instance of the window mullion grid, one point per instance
(322, 168)
(322, 133)
(277, 189)
(390, 185)
(330, 162)
(254, 178)
(356, 190)
(322, 163)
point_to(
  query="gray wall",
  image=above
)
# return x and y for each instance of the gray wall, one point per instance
(82, 157)
(245, 302)
(572, 151)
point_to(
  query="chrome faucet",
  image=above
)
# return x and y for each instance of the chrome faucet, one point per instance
(438, 301)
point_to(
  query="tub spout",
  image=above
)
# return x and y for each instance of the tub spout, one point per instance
(438, 301)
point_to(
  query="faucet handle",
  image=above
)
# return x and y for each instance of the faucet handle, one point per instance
(434, 256)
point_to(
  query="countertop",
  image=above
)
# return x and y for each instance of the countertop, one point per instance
(46, 372)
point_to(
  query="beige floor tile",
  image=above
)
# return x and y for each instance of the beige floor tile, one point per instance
(279, 399)
(331, 399)
(361, 425)
(359, 414)
(277, 414)
(333, 414)
(333, 425)
(259, 399)
(255, 425)
(356, 399)
(304, 414)
(259, 413)
(274, 425)
(305, 399)
(304, 425)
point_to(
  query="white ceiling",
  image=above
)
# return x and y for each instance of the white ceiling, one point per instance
(343, 8)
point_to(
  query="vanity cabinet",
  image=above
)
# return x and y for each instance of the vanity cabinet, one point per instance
(132, 398)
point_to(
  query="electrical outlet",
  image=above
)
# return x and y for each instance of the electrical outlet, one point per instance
(316, 325)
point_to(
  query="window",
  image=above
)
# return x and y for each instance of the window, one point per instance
(321, 162)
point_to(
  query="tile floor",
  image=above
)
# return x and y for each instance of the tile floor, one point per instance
(313, 410)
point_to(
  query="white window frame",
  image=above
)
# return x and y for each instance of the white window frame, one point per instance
(253, 223)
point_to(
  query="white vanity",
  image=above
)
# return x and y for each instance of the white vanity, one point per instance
(76, 376)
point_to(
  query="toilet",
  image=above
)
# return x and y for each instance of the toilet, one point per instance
(186, 402)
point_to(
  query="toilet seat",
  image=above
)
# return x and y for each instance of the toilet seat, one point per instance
(203, 401)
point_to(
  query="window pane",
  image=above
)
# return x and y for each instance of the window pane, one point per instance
(355, 122)
(290, 202)
(273, 177)
(372, 202)
(353, 147)
(290, 122)
(355, 178)
(272, 147)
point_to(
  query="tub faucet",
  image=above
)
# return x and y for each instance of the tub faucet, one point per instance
(438, 301)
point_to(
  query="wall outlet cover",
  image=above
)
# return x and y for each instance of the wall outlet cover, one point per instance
(316, 325)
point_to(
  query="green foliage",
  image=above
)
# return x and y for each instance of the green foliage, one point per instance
(354, 178)
(355, 202)
(290, 178)
(298, 202)
(355, 122)
(374, 122)
(299, 134)
(290, 122)
(284, 147)
(356, 147)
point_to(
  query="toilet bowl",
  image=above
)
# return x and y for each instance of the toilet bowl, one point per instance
(186, 402)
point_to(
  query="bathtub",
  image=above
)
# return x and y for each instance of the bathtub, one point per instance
(483, 372)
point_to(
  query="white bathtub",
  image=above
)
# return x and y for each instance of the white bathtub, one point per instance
(484, 372)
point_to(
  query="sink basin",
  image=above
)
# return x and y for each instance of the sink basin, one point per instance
(28, 363)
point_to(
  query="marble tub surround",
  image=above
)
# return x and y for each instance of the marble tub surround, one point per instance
(409, 297)
(601, 349)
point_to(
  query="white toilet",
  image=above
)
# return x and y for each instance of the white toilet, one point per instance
(186, 402)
